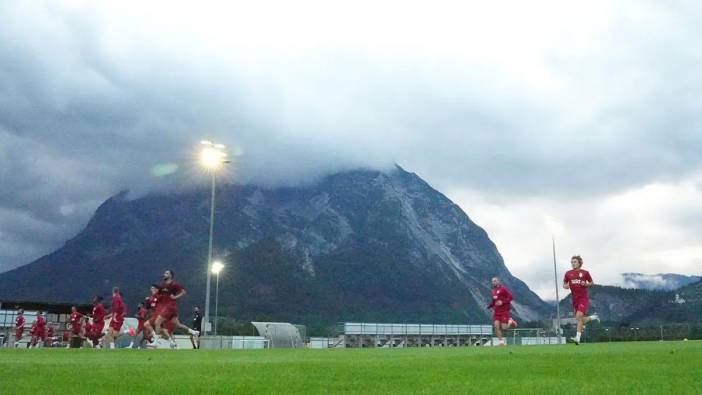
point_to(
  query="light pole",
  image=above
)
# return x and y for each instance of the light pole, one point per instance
(555, 281)
(212, 157)
(217, 267)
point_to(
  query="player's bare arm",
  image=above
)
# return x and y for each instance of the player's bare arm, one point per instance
(179, 295)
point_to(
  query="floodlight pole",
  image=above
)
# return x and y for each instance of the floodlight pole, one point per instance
(209, 257)
(555, 281)
(216, 304)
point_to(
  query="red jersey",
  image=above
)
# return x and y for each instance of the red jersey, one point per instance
(75, 319)
(98, 313)
(19, 322)
(41, 322)
(167, 290)
(152, 301)
(501, 293)
(118, 308)
(50, 332)
(576, 280)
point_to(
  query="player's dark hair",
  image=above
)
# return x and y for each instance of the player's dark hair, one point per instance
(98, 298)
(116, 290)
(577, 258)
(155, 286)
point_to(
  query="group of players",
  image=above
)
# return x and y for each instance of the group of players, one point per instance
(577, 280)
(40, 332)
(157, 318)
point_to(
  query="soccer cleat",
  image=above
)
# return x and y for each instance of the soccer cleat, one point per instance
(574, 340)
(512, 323)
(194, 332)
(595, 317)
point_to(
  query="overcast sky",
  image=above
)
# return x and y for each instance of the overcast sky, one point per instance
(580, 119)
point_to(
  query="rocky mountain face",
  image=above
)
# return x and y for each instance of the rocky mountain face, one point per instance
(661, 281)
(360, 245)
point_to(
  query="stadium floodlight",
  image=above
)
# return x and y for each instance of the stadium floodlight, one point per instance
(212, 157)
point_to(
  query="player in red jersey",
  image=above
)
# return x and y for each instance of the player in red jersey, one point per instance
(39, 330)
(141, 316)
(19, 327)
(502, 303)
(153, 307)
(170, 291)
(49, 339)
(86, 331)
(75, 320)
(98, 321)
(117, 312)
(578, 281)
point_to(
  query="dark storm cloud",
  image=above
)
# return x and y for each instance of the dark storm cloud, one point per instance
(91, 100)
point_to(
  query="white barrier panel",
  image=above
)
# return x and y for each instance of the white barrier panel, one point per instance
(538, 341)
(320, 342)
(354, 328)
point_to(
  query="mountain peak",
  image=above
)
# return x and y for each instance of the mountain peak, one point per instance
(363, 244)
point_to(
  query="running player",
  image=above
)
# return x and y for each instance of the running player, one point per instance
(98, 321)
(86, 331)
(578, 281)
(49, 339)
(19, 327)
(141, 316)
(170, 291)
(39, 330)
(152, 304)
(502, 303)
(75, 320)
(117, 312)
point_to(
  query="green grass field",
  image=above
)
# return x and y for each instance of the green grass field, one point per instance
(604, 368)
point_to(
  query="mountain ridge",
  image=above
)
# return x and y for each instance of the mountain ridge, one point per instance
(358, 245)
